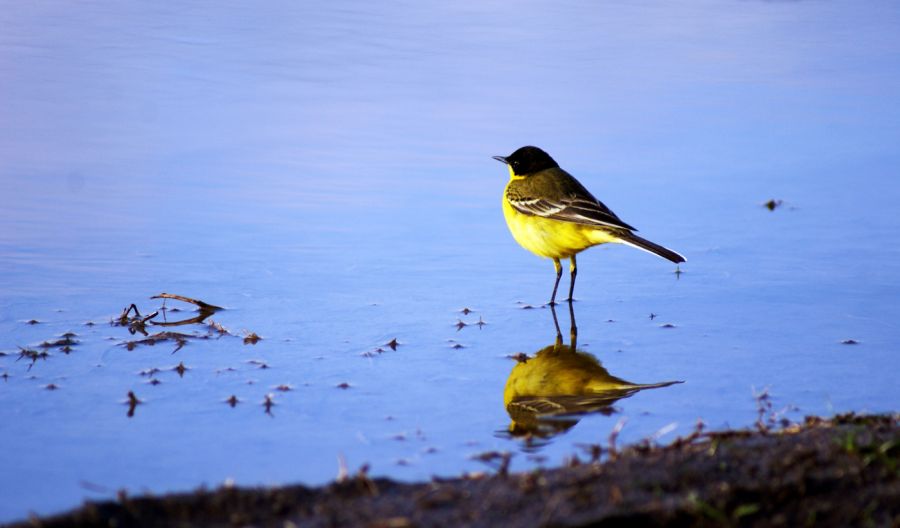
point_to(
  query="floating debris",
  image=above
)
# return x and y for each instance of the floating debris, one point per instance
(202, 305)
(180, 369)
(773, 204)
(179, 338)
(132, 403)
(51, 386)
(149, 372)
(521, 357)
(216, 327)
(268, 403)
(343, 385)
(154, 381)
(849, 342)
(32, 322)
(460, 324)
(135, 324)
(259, 363)
(251, 339)
(465, 311)
(64, 340)
(392, 344)
(498, 459)
(284, 388)
(652, 316)
(667, 325)
(33, 355)
(232, 400)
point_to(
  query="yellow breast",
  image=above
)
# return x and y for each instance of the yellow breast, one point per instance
(551, 238)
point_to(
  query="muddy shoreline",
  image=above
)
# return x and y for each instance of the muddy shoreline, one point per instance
(843, 471)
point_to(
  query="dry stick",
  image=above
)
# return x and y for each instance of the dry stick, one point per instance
(203, 306)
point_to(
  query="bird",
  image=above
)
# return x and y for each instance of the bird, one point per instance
(545, 393)
(553, 215)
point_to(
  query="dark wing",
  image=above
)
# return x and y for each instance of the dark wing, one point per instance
(555, 194)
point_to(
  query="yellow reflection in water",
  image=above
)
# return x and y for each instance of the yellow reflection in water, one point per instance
(546, 393)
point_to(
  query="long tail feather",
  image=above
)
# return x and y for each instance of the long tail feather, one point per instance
(642, 243)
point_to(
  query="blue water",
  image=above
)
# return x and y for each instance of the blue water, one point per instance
(325, 174)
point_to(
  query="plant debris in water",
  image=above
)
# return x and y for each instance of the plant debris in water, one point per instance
(773, 204)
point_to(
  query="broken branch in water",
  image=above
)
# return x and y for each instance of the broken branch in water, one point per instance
(136, 323)
(204, 307)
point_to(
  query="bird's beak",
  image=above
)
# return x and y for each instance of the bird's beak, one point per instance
(501, 159)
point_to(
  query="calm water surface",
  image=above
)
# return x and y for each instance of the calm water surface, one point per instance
(325, 174)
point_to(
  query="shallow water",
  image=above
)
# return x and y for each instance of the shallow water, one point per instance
(325, 174)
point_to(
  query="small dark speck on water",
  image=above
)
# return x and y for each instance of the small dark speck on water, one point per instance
(232, 400)
(284, 388)
(610, 320)
(849, 342)
(33, 322)
(652, 316)
(466, 311)
(154, 382)
(51, 386)
(393, 344)
(132, 402)
(251, 339)
(180, 369)
(460, 325)
(773, 204)
(343, 385)
(521, 357)
(457, 346)
(667, 325)
(268, 403)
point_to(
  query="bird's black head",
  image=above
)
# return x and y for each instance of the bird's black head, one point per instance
(528, 160)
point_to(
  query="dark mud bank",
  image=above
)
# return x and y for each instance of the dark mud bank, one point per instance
(843, 471)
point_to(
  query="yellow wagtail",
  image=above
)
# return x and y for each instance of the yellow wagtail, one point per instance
(552, 215)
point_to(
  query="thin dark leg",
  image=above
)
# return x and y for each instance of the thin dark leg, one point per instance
(556, 324)
(573, 270)
(558, 267)
(573, 331)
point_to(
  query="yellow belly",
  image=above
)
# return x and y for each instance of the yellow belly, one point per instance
(552, 238)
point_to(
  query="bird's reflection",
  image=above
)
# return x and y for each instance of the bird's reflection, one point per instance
(548, 393)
